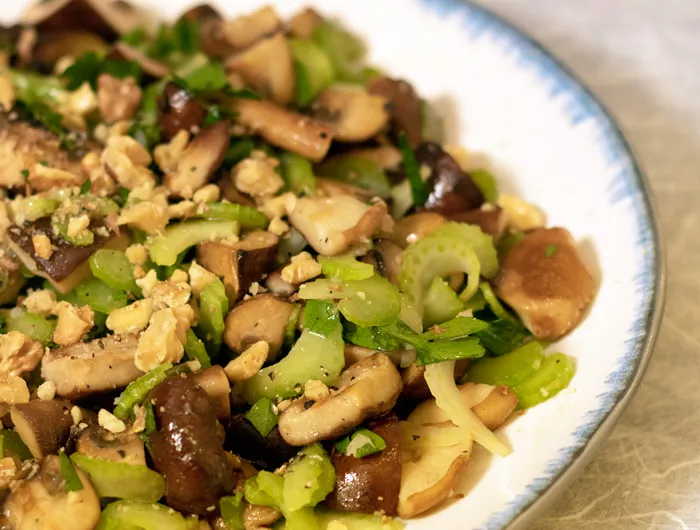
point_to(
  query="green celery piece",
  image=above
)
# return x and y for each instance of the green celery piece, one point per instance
(314, 70)
(100, 297)
(486, 183)
(345, 267)
(128, 515)
(213, 306)
(32, 88)
(309, 478)
(164, 249)
(441, 303)
(264, 489)
(59, 226)
(361, 443)
(482, 243)
(312, 357)
(195, 350)
(554, 375)
(13, 443)
(231, 508)
(290, 330)
(358, 171)
(303, 519)
(113, 268)
(247, 217)
(510, 369)
(71, 479)
(457, 328)
(493, 302)
(344, 49)
(238, 151)
(262, 417)
(121, 481)
(356, 521)
(136, 391)
(34, 208)
(508, 242)
(298, 173)
(34, 326)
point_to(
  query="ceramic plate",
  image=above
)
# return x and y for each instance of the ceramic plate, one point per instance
(547, 139)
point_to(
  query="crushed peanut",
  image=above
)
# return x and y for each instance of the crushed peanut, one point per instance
(76, 414)
(521, 214)
(41, 302)
(8, 469)
(13, 390)
(118, 98)
(77, 225)
(208, 193)
(148, 216)
(257, 176)
(171, 293)
(278, 227)
(126, 161)
(279, 206)
(168, 155)
(303, 267)
(139, 424)
(45, 178)
(73, 323)
(181, 210)
(7, 93)
(46, 390)
(137, 254)
(315, 390)
(148, 282)
(18, 353)
(248, 363)
(42, 246)
(159, 344)
(131, 318)
(110, 422)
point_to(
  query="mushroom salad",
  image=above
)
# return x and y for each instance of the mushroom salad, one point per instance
(244, 285)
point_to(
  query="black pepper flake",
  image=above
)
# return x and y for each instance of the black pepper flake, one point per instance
(308, 404)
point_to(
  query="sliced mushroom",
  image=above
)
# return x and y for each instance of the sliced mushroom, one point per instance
(451, 189)
(178, 111)
(187, 448)
(55, 45)
(124, 447)
(387, 259)
(267, 67)
(331, 225)
(414, 385)
(68, 265)
(43, 425)
(543, 278)
(246, 30)
(366, 389)
(91, 367)
(303, 24)
(416, 226)
(387, 156)
(406, 109)
(231, 194)
(41, 501)
(276, 285)
(492, 221)
(262, 317)
(200, 160)
(200, 13)
(265, 452)
(335, 188)
(96, 16)
(23, 147)
(370, 484)
(149, 67)
(355, 114)
(215, 383)
(256, 516)
(241, 263)
(295, 132)
(354, 354)
(11, 282)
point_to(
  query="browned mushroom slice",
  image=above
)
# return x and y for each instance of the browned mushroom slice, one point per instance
(545, 281)
(267, 67)
(231, 194)
(370, 484)
(43, 425)
(178, 111)
(416, 226)
(282, 128)
(244, 31)
(215, 383)
(263, 317)
(200, 160)
(451, 189)
(241, 263)
(149, 67)
(123, 447)
(200, 13)
(303, 24)
(406, 112)
(96, 16)
(355, 114)
(414, 385)
(387, 259)
(336, 188)
(492, 221)
(212, 37)
(55, 45)
(67, 266)
(22, 147)
(91, 367)
(387, 156)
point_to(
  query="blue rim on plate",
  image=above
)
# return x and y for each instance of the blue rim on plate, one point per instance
(630, 185)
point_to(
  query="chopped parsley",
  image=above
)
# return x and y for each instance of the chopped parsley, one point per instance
(550, 250)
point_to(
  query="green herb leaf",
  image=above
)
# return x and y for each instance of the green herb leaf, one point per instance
(456, 328)
(122, 196)
(208, 78)
(320, 317)
(25, 173)
(88, 67)
(262, 416)
(550, 251)
(362, 442)
(419, 190)
(70, 476)
(195, 350)
(231, 508)
(2, 447)
(86, 187)
(136, 37)
(13, 443)
(453, 350)
(503, 335)
(373, 337)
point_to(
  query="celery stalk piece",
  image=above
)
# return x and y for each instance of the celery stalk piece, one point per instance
(34, 326)
(345, 267)
(195, 350)
(231, 508)
(165, 248)
(554, 375)
(493, 301)
(344, 50)
(128, 515)
(486, 183)
(100, 297)
(265, 489)
(121, 481)
(34, 208)
(298, 174)
(358, 171)
(113, 268)
(136, 391)
(441, 303)
(247, 217)
(213, 306)
(314, 70)
(310, 477)
(510, 369)
(312, 357)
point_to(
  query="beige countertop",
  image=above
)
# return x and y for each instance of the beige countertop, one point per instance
(642, 58)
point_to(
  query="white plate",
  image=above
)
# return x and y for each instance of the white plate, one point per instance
(549, 140)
